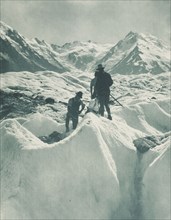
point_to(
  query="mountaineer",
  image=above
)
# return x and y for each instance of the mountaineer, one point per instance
(74, 110)
(102, 90)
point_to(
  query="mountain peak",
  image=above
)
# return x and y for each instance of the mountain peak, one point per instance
(140, 36)
(5, 28)
(132, 33)
(136, 53)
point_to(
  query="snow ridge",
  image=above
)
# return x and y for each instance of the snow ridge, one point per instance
(102, 187)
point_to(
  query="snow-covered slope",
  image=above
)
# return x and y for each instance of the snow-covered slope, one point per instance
(18, 53)
(82, 54)
(23, 93)
(95, 173)
(137, 53)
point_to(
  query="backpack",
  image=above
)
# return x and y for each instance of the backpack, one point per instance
(104, 81)
(108, 80)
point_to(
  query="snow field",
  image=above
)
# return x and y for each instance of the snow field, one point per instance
(94, 173)
(156, 190)
(73, 175)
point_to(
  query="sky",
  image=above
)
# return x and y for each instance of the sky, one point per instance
(100, 21)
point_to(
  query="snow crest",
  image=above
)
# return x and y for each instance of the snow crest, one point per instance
(94, 173)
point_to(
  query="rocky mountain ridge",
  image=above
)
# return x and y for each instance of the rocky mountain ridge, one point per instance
(136, 53)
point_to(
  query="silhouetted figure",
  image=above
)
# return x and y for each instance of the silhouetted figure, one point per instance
(74, 110)
(102, 90)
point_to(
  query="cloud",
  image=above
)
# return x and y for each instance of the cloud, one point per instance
(101, 21)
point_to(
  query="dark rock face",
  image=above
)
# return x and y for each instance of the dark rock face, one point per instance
(18, 104)
(146, 143)
(49, 100)
(53, 137)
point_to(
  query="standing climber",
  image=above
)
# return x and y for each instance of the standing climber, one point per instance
(102, 89)
(74, 110)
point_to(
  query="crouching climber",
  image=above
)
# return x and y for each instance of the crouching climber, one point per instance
(74, 110)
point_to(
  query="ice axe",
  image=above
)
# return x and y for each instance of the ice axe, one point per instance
(116, 100)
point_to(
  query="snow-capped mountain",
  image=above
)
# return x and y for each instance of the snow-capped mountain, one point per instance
(137, 53)
(82, 54)
(18, 53)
